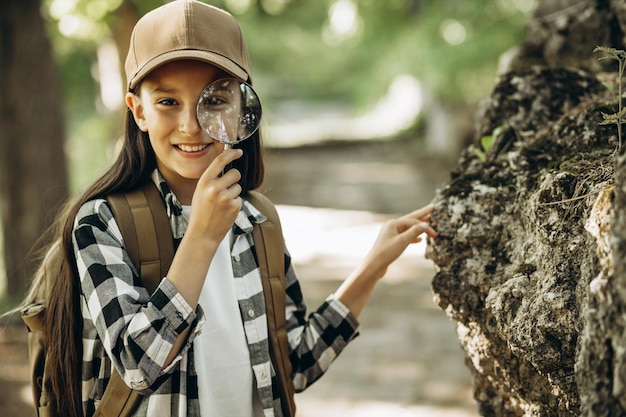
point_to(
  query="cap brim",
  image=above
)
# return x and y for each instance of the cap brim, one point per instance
(204, 56)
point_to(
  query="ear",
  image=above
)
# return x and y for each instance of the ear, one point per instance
(134, 104)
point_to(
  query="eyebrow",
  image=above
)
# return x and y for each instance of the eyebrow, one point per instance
(163, 90)
(224, 88)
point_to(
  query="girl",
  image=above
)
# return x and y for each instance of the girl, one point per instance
(197, 346)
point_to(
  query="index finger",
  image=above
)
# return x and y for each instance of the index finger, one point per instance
(422, 213)
(220, 162)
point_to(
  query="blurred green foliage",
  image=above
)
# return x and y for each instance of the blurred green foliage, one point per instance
(340, 51)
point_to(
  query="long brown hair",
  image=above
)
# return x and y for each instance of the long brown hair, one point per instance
(58, 273)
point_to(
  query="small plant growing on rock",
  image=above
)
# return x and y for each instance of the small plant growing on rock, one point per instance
(615, 118)
(485, 143)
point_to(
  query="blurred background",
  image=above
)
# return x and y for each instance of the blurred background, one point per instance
(367, 105)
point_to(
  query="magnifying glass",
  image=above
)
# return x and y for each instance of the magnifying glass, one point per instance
(229, 111)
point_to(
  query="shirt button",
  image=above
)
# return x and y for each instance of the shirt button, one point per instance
(139, 384)
(263, 376)
(251, 313)
(237, 258)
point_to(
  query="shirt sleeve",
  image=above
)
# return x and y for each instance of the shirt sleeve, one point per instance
(314, 341)
(137, 329)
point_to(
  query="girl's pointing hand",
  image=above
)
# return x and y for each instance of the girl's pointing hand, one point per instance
(396, 235)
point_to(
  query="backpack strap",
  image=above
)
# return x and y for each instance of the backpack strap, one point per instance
(270, 251)
(119, 400)
(142, 219)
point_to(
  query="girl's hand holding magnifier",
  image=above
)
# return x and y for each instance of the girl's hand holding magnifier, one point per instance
(229, 111)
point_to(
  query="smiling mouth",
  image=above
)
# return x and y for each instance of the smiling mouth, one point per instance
(192, 148)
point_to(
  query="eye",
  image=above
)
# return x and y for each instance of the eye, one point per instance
(167, 102)
(214, 100)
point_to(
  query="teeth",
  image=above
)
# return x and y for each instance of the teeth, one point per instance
(192, 148)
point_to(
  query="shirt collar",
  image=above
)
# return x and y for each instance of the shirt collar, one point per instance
(246, 219)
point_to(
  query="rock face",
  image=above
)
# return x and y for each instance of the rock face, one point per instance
(531, 252)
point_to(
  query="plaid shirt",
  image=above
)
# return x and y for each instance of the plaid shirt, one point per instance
(133, 331)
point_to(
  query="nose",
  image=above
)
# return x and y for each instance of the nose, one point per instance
(189, 123)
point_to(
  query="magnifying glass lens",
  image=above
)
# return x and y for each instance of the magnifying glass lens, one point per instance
(229, 110)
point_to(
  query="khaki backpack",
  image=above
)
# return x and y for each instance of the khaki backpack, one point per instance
(142, 219)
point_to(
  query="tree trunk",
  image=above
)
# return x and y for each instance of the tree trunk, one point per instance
(33, 177)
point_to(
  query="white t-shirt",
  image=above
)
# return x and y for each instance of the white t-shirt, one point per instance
(222, 359)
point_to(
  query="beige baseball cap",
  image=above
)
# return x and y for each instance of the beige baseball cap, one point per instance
(187, 29)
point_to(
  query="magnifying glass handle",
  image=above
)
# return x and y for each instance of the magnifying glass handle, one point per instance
(227, 146)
